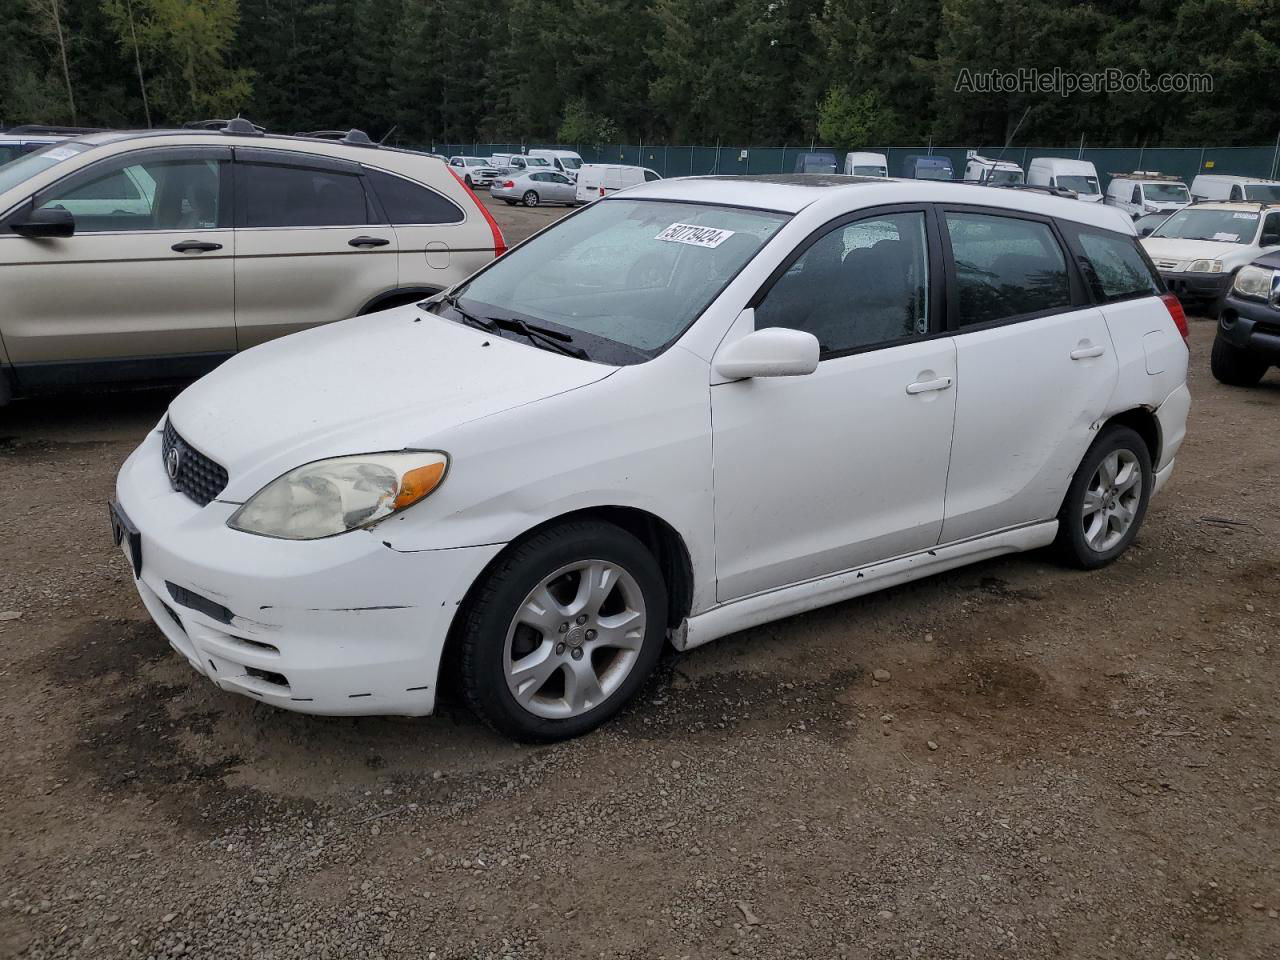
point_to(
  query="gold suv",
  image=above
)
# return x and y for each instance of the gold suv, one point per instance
(134, 256)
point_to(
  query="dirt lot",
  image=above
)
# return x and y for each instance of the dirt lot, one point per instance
(1061, 765)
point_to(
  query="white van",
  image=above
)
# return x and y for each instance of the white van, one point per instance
(866, 165)
(565, 161)
(1079, 176)
(596, 180)
(1210, 186)
(1146, 191)
(987, 170)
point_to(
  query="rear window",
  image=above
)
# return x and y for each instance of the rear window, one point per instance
(1118, 269)
(409, 203)
(1006, 267)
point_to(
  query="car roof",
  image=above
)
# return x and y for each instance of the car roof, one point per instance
(1252, 206)
(791, 193)
(352, 151)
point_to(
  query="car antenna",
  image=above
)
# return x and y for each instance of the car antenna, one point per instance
(1009, 140)
(394, 128)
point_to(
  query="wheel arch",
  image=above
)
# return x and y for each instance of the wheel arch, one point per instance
(1143, 421)
(659, 536)
(397, 298)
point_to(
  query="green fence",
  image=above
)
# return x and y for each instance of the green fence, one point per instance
(678, 161)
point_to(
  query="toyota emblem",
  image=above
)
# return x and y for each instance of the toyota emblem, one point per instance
(172, 462)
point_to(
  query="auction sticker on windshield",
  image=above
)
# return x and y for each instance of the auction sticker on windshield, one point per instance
(695, 235)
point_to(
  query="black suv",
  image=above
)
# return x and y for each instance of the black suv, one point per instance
(1248, 340)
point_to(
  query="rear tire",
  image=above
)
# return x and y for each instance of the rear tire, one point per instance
(1233, 366)
(1106, 501)
(530, 199)
(562, 631)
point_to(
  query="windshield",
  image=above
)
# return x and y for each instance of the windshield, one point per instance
(933, 173)
(1226, 226)
(1004, 176)
(571, 163)
(538, 161)
(1085, 185)
(624, 277)
(1264, 192)
(870, 171)
(1165, 192)
(24, 168)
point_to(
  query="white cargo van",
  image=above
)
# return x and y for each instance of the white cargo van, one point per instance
(1146, 191)
(866, 165)
(1079, 176)
(596, 180)
(1211, 186)
(986, 170)
(565, 161)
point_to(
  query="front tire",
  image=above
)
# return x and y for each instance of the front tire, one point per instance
(509, 203)
(530, 199)
(1106, 501)
(562, 631)
(1233, 366)
(470, 185)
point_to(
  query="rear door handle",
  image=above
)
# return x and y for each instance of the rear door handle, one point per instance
(195, 246)
(926, 386)
(1086, 353)
(368, 242)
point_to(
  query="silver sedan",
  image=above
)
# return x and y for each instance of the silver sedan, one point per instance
(532, 189)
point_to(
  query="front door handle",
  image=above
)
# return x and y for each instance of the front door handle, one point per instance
(195, 246)
(927, 386)
(368, 242)
(1086, 353)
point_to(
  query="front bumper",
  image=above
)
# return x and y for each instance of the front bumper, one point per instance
(340, 626)
(1197, 287)
(1251, 325)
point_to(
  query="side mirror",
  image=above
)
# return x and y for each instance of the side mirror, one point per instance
(49, 222)
(771, 352)
(1146, 231)
(1271, 240)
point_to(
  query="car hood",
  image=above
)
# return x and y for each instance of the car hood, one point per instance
(386, 381)
(1169, 248)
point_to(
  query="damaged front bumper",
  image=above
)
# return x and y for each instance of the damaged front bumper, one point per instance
(341, 626)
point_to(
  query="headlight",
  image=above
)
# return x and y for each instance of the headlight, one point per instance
(1253, 282)
(329, 497)
(1205, 266)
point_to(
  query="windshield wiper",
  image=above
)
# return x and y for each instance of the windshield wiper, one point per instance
(544, 336)
(486, 325)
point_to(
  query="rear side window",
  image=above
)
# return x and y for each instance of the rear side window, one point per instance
(282, 196)
(1116, 268)
(409, 203)
(1006, 267)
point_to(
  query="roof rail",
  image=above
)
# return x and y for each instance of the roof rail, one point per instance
(51, 130)
(1037, 187)
(1146, 175)
(352, 137)
(236, 125)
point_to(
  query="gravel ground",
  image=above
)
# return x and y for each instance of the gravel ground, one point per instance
(1051, 763)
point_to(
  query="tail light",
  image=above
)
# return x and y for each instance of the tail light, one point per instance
(499, 244)
(602, 191)
(509, 185)
(1174, 306)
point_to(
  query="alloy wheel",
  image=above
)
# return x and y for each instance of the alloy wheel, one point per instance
(574, 639)
(1111, 500)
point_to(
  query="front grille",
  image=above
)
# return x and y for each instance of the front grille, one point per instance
(190, 471)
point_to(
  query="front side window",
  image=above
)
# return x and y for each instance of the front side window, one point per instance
(1006, 267)
(274, 195)
(1119, 269)
(1137, 195)
(1270, 234)
(406, 202)
(625, 278)
(146, 194)
(861, 284)
(1223, 226)
(650, 176)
